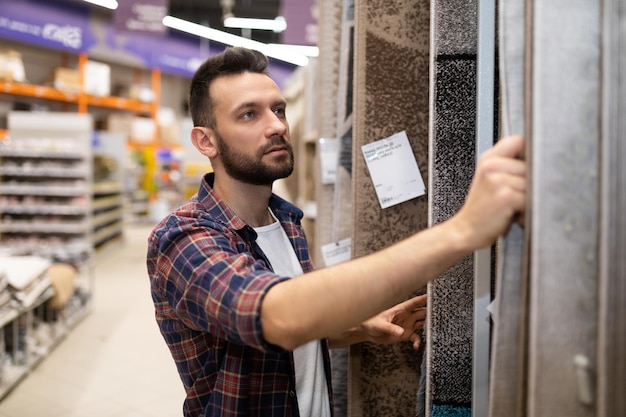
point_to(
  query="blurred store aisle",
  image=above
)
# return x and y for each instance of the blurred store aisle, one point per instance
(114, 363)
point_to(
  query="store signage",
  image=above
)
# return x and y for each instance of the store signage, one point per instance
(53, 27)
(71, 27)
(141, 16)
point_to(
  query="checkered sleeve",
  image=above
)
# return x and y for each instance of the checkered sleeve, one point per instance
(212, 282)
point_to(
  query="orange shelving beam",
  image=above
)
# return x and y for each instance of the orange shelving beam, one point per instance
(38, 91)
(83, 100)
(120, 103)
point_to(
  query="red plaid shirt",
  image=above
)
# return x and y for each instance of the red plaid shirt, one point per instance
(208, 279)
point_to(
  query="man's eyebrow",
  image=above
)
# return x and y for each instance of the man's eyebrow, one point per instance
(280, 102)
(245, 105)
(252, 104)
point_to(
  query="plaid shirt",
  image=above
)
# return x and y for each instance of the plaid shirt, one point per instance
(208, 279)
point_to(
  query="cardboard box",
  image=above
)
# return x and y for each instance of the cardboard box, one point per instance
(141, 93)
(168, 135)
(137, 129)
(119, 123)
(97, 79)
(169, 128)
(11, 66)
(143, 130)
(66, 79)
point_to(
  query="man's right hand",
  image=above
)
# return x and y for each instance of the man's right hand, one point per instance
(497, 196)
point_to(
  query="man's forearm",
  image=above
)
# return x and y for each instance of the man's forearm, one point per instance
(330, 300)
(348, 337)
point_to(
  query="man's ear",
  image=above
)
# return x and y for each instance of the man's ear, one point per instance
(203, 139)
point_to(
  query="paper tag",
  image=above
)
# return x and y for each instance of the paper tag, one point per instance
(394, 171)
(337, 252)
(329, 155)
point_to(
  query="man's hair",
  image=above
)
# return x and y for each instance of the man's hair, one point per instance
(233, 60)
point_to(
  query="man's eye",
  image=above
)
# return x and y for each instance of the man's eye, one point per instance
(247, 115)
(279, 111)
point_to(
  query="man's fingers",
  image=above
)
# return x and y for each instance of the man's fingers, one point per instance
(415, 302)
(419, 324)
(420, 313)
(416, 339)
(491, 165)
(511, 146)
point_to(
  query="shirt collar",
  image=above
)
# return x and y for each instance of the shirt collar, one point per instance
(220, 211)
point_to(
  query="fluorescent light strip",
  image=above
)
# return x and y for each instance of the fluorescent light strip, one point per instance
(277, 25)
(312, 51)
(109, 4)
(233, 40)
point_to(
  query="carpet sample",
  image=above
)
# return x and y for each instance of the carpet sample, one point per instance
(329, 209)
(391, 70)
(449, 328)
(507, 372)
(451, 301)
(566, 132)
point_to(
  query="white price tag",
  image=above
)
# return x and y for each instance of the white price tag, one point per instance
(329, 156)
(337, 252)
(394, 170)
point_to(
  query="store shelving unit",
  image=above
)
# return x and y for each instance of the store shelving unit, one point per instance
(82, 99)
(106, 226)
(109, 151)
(45, 193)
(53, 206)
(108, 212)
(45, 218)
(26, 332)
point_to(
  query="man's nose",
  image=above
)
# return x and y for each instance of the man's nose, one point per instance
(276, 125)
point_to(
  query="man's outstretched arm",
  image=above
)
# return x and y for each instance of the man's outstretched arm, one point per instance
(330, 300)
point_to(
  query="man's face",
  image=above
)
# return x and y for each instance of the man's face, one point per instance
(252, 133)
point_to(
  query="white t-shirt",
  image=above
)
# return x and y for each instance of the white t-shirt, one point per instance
(311, 388)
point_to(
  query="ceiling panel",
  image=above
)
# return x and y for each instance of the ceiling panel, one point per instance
(210, 12)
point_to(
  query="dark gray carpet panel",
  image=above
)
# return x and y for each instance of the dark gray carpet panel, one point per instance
(452, 159)
(451, 296)
(451, 335)
(453, 146)
(456, 27)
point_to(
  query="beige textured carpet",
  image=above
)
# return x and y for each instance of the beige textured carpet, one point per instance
(391, 95)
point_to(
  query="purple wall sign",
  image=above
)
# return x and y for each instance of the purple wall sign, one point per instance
(69, 26)
(301, 17)
(51, 26)
(144, 16)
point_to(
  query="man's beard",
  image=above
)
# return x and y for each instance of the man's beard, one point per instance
(253, 170)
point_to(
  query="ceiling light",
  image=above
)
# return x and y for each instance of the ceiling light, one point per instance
(312, 51)
(109, 4)
(278, 24)
(234, 40)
